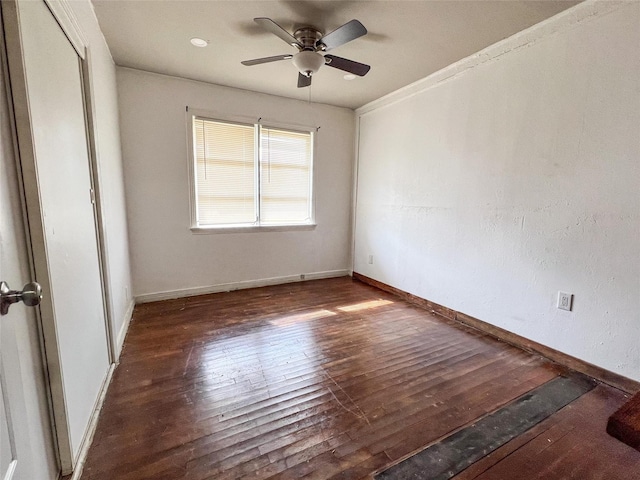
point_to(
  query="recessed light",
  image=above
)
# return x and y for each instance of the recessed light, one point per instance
(199, 42)
(349, 76)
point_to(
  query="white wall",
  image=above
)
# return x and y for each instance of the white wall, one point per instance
(514, 174)
(109, 157)
(167, 258)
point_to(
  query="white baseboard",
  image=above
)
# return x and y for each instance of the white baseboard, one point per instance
(93, 423)
(124, 329)
(228, 287)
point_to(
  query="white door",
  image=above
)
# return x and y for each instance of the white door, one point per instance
(26, 450)
(8, 457)
(12, 415)
(47, 88)
(26, 442)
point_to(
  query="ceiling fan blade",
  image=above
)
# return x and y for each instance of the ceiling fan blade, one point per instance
(347, 65)
(271, 26)
(341, 35)
(258, 61)
(303, 80)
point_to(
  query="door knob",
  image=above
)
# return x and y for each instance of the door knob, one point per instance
(31, 295)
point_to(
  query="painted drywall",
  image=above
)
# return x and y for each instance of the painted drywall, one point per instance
(513, 175)
(167, 258)
(110, 170)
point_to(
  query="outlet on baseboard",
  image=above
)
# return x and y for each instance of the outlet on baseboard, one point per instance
(565, 301)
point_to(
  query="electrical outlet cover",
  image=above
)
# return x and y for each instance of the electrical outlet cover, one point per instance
(565, 301)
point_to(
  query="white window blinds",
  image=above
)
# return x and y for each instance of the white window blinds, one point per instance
(240, 181)
(285, 176)
(225, 173)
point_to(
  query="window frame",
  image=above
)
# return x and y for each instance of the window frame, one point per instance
(257, 123)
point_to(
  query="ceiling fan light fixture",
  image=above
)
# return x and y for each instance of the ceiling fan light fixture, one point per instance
(308, 62)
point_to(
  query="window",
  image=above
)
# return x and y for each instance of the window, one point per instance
(250, 175)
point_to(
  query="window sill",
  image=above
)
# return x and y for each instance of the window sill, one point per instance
(253, 228)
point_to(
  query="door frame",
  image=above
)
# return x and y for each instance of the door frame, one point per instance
(34, 227)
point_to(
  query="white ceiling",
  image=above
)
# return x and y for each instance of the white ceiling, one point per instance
(407, 40)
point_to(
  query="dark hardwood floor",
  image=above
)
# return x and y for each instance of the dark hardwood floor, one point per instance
(326, 379)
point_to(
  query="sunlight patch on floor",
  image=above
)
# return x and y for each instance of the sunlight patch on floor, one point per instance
(364, 305)
(301, 317)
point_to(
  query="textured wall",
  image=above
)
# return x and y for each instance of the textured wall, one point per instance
(513, 175)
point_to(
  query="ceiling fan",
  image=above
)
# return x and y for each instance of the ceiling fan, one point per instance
(310, 42)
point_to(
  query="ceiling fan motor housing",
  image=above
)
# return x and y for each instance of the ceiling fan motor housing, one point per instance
(307, 37)
(308, 62)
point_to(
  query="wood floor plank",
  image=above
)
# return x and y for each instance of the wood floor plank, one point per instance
(323, 379)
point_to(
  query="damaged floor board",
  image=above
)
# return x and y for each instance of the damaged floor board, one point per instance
(452, 455)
